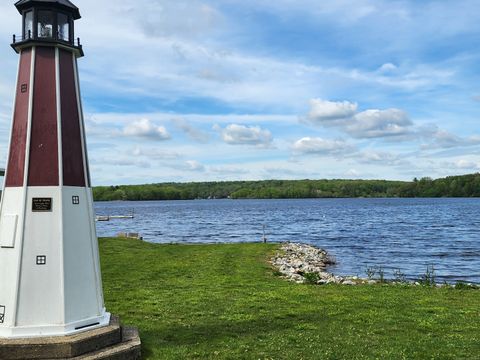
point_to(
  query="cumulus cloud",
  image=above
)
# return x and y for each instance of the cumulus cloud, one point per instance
(146, 129)
(373, 123)
(235, 134)
(443, 139)
(327, 113)
(379, 124)
(316, 145)
(387, 68)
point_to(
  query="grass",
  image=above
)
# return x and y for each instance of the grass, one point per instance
(225, 302)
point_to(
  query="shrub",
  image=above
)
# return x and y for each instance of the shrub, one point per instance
(428, 279)
(311, 277)
(399, 276)
(461, 285)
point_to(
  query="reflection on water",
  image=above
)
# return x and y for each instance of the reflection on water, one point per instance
(405, 234)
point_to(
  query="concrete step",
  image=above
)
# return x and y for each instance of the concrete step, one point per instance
(66, 347)
(128, 349)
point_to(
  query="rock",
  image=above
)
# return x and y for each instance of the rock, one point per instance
(294, 260)
(349, 282)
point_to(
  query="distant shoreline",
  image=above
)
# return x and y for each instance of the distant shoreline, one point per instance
(465, 186)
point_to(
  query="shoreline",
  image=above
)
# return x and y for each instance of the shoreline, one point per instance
(307, 264)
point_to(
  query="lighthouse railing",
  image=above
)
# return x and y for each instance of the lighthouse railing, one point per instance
(16, 39)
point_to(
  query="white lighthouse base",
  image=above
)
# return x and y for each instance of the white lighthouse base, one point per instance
(55, 330)
(50, 259)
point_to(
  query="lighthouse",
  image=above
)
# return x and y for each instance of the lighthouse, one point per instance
(50, 281)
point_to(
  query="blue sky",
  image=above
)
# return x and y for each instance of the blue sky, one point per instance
(287, 89)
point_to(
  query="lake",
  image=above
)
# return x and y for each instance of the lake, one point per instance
(405, 234)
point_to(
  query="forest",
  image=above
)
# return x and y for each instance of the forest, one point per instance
(453, 186)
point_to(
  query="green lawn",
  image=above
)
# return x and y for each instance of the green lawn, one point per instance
(224, 302)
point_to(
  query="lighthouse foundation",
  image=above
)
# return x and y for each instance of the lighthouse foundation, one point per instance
(108, 342)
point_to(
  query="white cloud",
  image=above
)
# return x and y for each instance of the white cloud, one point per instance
(327, 113)
(367, 124)
(379, 124)
(387, 68)
(235, 134)
(146, 129)
(442, 139)
(309, 145)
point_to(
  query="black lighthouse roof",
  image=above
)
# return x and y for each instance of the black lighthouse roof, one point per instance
(64, 4)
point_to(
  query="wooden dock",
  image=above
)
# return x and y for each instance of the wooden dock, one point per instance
(113, 217)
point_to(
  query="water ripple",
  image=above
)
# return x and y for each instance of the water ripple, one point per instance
(405, 234)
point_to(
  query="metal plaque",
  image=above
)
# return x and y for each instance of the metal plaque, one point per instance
(42, 204)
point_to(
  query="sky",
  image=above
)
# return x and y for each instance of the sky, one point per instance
(214, 90)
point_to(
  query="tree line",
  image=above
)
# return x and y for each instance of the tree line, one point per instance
(453, 186)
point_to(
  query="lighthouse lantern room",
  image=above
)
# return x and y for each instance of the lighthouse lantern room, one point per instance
(50, 281)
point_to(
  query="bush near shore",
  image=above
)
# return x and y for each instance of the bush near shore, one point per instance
(226, 302)
(454, 186)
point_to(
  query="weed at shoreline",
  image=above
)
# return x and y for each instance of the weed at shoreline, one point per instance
(428, 279)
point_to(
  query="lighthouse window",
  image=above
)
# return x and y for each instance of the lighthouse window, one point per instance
(28, 24)
(45, 24)
(41, 260)
(63, 27)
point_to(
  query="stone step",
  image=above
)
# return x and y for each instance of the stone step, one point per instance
(128, 349)
(66, 347)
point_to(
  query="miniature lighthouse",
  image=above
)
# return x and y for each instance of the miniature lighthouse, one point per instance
(50, 281)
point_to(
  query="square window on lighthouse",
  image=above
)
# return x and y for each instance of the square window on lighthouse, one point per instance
(45, 24)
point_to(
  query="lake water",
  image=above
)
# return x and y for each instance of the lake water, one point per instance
(405, 234)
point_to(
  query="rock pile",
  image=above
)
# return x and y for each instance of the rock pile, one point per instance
(303, 263)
